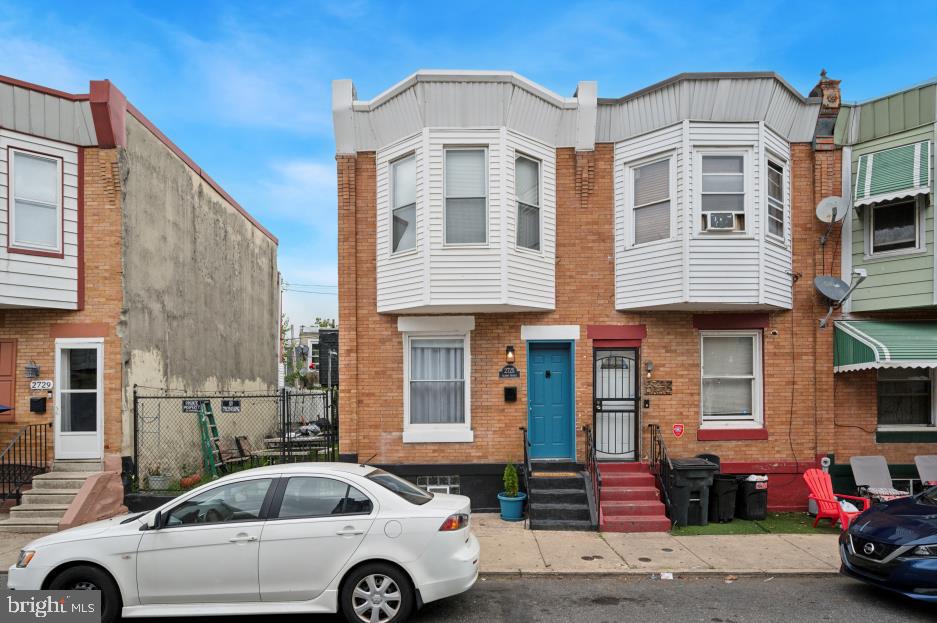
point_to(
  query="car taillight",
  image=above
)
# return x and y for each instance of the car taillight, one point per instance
(454, 522)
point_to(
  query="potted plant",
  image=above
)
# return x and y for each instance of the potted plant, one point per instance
(191, 479)
(511, 500)
(156, 480)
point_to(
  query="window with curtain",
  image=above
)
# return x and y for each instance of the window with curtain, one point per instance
(37, 202)
(894, 226)
(652, 201)
(722, 196)
(404, 208)
(904, 397)
(437, 381)
(775, 199)
(731, 377)
(527, 190)
(466, 197)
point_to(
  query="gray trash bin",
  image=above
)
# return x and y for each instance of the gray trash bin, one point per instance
(690, 480)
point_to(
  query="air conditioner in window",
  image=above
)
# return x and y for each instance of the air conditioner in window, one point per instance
(719, 221)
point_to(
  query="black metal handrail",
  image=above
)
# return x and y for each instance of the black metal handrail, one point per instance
(659, 462)
(595, 473)
(527, 472)
(26, 456)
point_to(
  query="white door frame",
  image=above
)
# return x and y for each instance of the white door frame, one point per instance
(90, 449)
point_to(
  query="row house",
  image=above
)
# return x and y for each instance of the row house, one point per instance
(122, 263)
(581, 280)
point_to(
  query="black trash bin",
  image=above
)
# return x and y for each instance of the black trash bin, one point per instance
(690, 480)
(722, 498)
(712, 458)
(752, 497)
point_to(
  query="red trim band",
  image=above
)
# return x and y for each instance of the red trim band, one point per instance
(731, 434)
(79, 329)
(109, 111)
(616, 343)
(730, 321)
(616, 331)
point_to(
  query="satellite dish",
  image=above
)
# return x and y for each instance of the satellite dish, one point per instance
(832, 288)
(831, 209)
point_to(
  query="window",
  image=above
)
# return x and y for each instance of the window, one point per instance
(404, 207)
(905, 397)
(36, 202)
(466, 197)
(317, 497)
(405, 489)
(238, 501)
(731, 378)
(437, 381)
(775, 199)
(722, 196)
(527, 189)
(894, 227)
(652, 201)
(78, 389)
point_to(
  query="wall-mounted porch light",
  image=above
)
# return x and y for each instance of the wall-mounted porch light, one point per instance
(649, 366)
(509, 354)
(32, 370)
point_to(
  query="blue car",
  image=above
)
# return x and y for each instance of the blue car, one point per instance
(893, 545)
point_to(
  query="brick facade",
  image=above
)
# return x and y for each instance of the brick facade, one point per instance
(34, 329)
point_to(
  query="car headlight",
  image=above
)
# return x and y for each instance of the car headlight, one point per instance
(925, 550)
(26, 556)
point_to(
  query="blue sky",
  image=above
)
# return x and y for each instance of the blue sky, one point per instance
(244, 87)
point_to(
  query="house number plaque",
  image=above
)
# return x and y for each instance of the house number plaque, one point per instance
(658, 388)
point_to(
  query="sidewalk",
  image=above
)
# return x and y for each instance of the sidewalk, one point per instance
(507, 548)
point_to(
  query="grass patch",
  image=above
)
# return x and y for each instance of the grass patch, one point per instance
(775, 523)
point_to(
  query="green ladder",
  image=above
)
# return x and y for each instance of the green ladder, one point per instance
(211, 448)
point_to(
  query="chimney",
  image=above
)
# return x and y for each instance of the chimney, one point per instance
(827, 90)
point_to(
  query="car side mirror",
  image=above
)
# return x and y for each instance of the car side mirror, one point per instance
(154, 522)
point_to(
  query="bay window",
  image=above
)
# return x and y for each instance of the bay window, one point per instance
(731, 380)
(466, 208)
(35, 202)
(527, 190)
(403, 211)
(722, 193)
(651, 196)
(905, 397)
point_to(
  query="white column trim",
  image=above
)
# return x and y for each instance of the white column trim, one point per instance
(531, 332)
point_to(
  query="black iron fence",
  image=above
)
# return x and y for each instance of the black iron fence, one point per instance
(26, 456)
(660, 464)
(176, 447)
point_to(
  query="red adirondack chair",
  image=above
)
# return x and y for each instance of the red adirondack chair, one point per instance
(821, 491)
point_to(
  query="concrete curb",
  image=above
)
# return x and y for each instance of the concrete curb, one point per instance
(741, 573)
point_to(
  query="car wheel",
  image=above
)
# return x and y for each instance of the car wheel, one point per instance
(86, 578)
(377, 593)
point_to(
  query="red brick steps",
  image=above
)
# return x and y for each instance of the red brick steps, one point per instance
(630, 501)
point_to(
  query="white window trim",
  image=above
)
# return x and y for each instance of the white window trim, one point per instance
(390, 200)
(920, 221)
(539, 163)
(912, 427)
(445, 196)
(11, 202)
(785, 199)
(747, 152)
(758, 421)
(629, 168)
(444, 327)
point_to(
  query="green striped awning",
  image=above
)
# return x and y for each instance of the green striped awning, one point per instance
(867, 344)
(893, 173)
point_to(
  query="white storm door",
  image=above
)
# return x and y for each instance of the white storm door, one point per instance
(79, 398)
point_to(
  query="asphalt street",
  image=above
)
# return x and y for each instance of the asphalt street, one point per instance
(619, 599)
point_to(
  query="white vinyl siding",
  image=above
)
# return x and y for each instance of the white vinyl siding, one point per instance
(27, 279)
(466, 208)
(403, 225)
(730, 379)
(697, 270)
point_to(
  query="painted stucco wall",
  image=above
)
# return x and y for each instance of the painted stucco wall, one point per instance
(200, 280)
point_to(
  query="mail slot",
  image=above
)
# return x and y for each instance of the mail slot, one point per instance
(37, 404)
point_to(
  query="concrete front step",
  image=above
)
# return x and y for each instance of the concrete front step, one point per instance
(541, 510)
(60, 480)
(562, 496)
(78, 465)
(619, 508)
(30, 524)
(562, 524)
(635, 523)
(38, 510)
(630, 493)
(540, 483)
(48, 496)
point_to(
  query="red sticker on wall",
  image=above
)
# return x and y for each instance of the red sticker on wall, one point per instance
(678, 430)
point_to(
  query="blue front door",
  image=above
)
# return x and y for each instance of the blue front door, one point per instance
(550, 401)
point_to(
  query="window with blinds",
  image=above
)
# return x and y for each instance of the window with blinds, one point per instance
(731, 378)
(403, 217)
(527, 191)
(466, 212)
(651, 201)
(722, 196)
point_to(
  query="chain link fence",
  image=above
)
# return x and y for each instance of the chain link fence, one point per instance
(176, 449)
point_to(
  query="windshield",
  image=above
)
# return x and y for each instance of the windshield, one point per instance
(405, 489)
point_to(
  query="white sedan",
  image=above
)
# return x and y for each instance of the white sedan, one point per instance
(308, 537)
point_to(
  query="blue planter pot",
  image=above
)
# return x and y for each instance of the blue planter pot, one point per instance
(512, 509)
